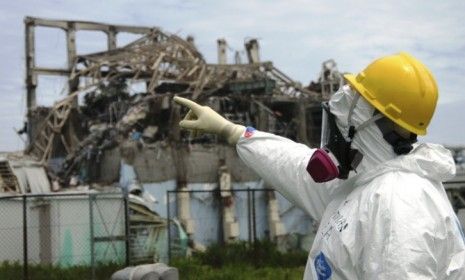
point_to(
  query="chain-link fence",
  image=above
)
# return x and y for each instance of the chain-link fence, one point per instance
(201, 218)
(67, 232)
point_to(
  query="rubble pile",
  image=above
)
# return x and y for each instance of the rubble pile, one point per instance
(106, 112)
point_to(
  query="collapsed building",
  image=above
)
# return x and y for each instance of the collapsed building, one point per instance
(117, 125)
(112, 124)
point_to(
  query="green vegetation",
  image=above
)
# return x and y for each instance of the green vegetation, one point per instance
(220, 262)
(14, 271)
(192, 269)
(241, 261)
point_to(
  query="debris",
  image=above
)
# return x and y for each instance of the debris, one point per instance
(22, 174)
(113, 114)
(147, 271)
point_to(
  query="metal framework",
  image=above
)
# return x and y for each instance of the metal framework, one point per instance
(157, 59)
(70, 28)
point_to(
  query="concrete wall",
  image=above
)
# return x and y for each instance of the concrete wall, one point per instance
(156, 164)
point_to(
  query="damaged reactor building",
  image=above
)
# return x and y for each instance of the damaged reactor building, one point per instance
(89, 138)
(100, 132)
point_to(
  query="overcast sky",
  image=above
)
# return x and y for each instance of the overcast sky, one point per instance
(296, 35)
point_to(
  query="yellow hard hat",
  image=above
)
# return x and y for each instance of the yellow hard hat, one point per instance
(401, 88)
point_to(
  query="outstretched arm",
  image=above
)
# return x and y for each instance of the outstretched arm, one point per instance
(282, 164)
(279, 161)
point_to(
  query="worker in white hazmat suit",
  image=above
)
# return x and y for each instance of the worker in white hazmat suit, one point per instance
(387, 215)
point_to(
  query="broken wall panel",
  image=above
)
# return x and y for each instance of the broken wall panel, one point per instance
(156, 164)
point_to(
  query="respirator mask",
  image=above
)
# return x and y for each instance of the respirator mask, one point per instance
(336, 156)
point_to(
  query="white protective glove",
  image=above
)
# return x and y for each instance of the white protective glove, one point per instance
(203, 119)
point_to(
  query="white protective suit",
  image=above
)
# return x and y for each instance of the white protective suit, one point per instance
(390, 220)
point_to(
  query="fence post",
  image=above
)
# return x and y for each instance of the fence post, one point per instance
(25, 257)
(91, 223)
(249, 222)
(221, 233)
(169, 224)
(126, 226)
(254, 222)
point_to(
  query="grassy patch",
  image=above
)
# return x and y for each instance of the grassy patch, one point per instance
(14, 271)
(192, 269)
(220, 262)
(260, 254)
(241, 261)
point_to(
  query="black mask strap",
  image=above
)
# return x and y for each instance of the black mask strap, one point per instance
(340, 147)
(400, 144)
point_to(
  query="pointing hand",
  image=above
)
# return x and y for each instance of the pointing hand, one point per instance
(204, 119)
